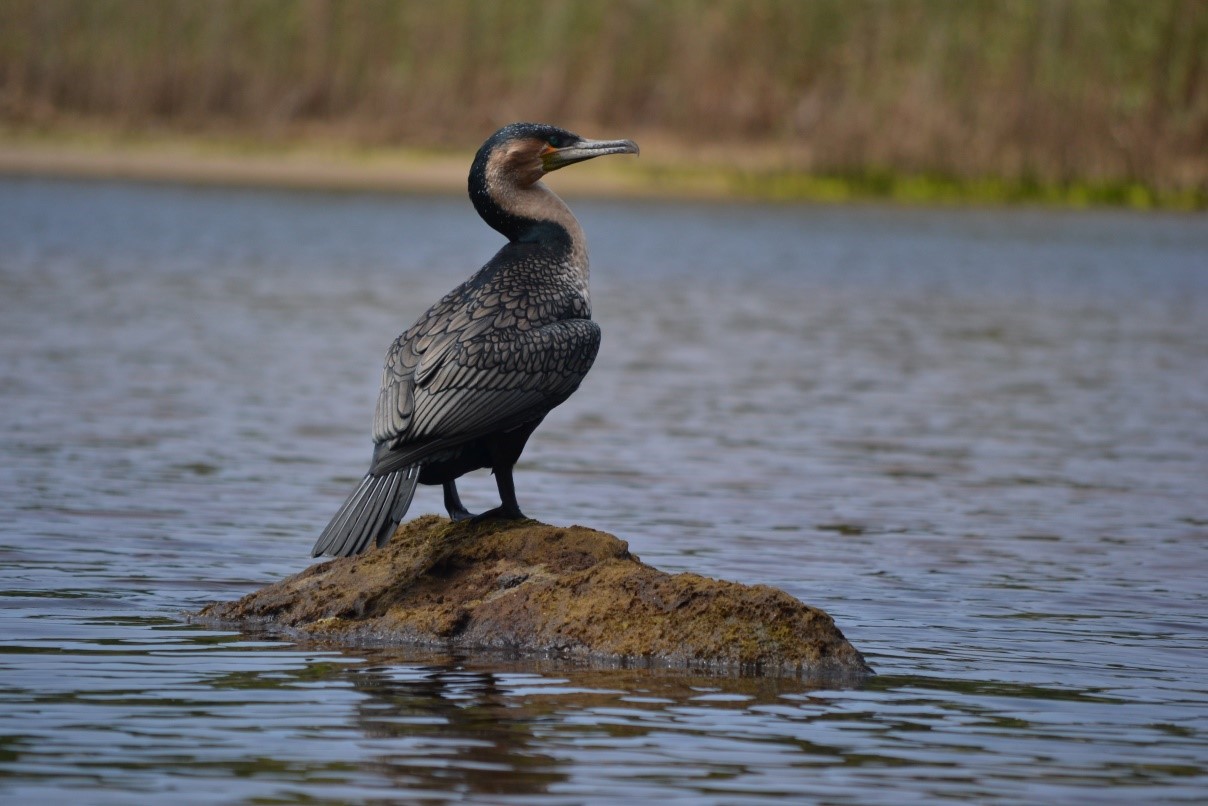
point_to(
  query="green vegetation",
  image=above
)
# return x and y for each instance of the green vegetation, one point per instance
(1066, 101)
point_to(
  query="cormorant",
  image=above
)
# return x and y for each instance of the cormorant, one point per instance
(468, 383)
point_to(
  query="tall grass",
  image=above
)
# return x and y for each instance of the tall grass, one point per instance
(1024, 91)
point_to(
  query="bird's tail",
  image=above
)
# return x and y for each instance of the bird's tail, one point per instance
(370, 514)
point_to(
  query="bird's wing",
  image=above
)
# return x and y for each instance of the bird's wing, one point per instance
(409, 362)
(472, 381)
(416, 352)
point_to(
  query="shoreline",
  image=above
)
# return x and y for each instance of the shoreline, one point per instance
(297, 167)
(306, 166)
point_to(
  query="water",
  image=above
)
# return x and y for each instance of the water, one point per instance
(978, 439)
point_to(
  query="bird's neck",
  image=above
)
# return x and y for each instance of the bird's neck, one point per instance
(533, 214)
(550, 221)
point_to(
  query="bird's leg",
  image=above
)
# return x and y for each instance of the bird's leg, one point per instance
(505, 449)
(508, 509)
(507, 493)
(457, 511)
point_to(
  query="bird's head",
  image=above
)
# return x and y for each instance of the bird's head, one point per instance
(521, 153)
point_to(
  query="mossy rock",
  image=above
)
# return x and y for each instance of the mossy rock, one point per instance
(527, 587)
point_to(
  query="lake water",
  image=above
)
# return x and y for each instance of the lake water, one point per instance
(979, 439)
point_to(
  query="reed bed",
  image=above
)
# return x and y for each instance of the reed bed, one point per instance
(1050, 96)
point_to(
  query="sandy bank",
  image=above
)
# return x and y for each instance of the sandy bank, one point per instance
(404, 171)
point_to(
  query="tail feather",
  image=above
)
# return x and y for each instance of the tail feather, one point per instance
(338, 527)
(358, 535)
(380, 520)
(370, 513)
(402, 499)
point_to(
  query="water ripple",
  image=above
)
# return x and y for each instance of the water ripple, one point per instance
(976, 438)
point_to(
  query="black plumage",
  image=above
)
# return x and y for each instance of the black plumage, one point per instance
(468, 383)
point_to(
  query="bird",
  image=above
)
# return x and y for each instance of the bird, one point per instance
(466, 385)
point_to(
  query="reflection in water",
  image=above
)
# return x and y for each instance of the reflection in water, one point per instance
(451, 730)
(489, 726)
(978, 439)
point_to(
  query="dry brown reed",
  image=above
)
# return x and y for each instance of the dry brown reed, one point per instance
(1044, 91)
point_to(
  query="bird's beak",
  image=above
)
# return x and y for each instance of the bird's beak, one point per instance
(554, 158)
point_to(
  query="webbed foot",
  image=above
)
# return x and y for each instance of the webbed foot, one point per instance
(500, 513)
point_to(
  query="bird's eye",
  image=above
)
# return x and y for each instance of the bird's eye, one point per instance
(557, 141)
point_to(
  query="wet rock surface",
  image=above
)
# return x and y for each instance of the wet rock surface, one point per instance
(531, 588)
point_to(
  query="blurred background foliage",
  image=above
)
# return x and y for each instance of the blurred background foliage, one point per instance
(1106, 96)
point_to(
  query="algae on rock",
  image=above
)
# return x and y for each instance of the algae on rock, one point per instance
(528, 587)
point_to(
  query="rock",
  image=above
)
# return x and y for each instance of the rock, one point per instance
(533, 588)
